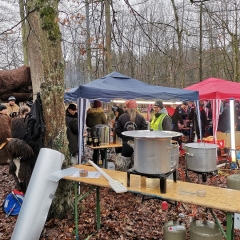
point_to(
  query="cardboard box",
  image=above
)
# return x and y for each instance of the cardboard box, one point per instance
(227, 138)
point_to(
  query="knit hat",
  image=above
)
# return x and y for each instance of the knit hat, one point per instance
(11, 98)
(97, 104)
(2, 107)
(72, 106)
(158, 104)
(131, 103)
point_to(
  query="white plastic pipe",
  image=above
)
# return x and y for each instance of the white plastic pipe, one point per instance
(232, 126)
(38, 197)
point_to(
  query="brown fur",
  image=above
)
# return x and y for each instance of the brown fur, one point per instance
(19, 126)
(25, 172)
(19, 148)
(5, 130)
(4, 155)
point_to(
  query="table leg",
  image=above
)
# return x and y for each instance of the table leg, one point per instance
(97, 153)
(218, 223)
(230, 226)
(98, 208)
(105, 158)
(76, 208)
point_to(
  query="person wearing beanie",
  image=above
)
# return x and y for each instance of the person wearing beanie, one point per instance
(97, 104)
(161, 120)
(12, 107)
(129, 121)
(131, 104)
(184, 110)
(72, 131)
(3, 109)
(95, 116)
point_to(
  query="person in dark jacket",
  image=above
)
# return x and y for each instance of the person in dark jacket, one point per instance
(177, 122)
(193, 116)
(177, 119)
(184, 110)
(129, 121)
(224, 119)
(95, 116)
(72, 132)
(117, 112)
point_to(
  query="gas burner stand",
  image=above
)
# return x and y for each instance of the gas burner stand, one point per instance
(203, 174)
(162, 177)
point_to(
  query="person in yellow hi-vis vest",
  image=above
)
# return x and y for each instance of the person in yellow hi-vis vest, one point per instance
(161, 120)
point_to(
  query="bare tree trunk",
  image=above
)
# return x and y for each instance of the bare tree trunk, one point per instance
(89, 55)
(200, 44)
(108, 36)
(24, 29)
(34, 47)
(180, 71)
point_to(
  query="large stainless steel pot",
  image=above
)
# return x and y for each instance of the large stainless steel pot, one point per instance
(103, 131)
(201, 157)
(153, 151)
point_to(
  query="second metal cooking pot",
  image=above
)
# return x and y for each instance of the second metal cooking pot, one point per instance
(153, 151)
(103, 131)
(201, 157)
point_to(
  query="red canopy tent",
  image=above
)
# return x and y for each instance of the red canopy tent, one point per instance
(216, 89)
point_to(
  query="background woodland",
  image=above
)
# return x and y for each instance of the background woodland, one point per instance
(168, 42)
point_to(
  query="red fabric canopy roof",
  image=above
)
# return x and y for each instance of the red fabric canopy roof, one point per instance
(215, 88)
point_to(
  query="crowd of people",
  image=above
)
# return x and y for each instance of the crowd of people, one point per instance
(128, 118)
(12, 133)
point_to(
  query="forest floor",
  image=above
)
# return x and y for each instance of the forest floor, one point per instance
(123, 216)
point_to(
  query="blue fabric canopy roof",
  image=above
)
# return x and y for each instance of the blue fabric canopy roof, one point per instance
(116, 85)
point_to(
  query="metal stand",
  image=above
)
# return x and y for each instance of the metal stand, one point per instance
(203, 174)
(162, 177)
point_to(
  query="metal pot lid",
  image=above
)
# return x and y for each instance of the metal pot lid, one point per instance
(151, 134)
(102, 126)
(201, 145)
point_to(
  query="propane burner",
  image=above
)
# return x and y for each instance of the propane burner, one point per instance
(203, 174)
(162, 177)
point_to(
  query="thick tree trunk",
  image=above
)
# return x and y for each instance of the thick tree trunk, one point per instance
(24, 27)
(34, 48)
(108, 37)
(48, 69)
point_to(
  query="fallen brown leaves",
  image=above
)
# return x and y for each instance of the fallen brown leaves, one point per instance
(123, 216)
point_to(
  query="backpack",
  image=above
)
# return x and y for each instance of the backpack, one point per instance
(12, 203)
(35, 124)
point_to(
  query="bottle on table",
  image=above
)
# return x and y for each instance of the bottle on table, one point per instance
(89, 137)
(98, 140)
(95, 140)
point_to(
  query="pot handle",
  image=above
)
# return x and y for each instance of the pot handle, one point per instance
(189, 154)
(173, 146)
(131, 143)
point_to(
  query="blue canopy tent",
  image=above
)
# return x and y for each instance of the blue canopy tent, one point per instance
(116, 85)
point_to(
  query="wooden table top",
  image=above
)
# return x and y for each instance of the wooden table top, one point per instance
(217, 198)
(111, 145)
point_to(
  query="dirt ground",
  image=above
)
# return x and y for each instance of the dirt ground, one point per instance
(123, 216)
